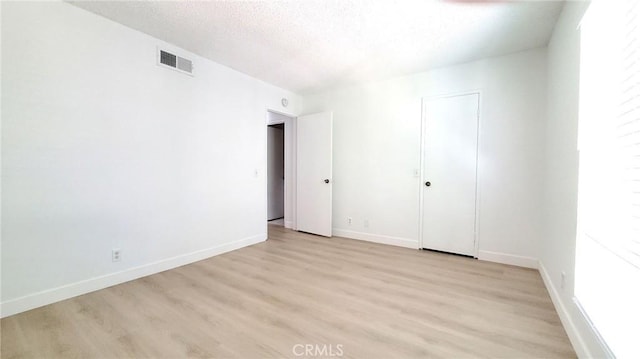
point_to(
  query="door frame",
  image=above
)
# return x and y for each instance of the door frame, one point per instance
(289, 165)
(423, 120)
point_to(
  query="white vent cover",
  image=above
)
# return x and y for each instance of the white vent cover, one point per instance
(175, 62)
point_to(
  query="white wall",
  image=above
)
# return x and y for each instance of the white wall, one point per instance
(377, 149)
(561, 177)
(102, 149)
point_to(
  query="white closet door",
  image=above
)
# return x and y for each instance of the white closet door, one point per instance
(450, 146)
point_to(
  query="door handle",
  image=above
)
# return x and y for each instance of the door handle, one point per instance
(428, 184)
(326, 180)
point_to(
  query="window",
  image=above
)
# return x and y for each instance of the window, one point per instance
(607, 284)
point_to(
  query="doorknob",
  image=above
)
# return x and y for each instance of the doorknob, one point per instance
(326, 181)
(428, 184)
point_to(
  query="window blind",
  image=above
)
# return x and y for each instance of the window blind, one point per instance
(607, 284)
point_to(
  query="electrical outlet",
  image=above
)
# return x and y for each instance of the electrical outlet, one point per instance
(116, 255)
(349, 220)
(562, 280)
(366, 223)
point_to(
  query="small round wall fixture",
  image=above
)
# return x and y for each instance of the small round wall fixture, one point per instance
(284, 102)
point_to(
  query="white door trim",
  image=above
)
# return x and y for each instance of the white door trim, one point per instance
(478, 172)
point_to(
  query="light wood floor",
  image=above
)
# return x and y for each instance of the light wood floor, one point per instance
(374, 301)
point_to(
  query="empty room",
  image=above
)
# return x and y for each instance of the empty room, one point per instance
(320, 179)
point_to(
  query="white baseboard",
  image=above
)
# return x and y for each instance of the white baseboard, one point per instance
(289, 224)
(376, 238)
(511, 259)
(22, 304)
(572, 332)
(577, 340)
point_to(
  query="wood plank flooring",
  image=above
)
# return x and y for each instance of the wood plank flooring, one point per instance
(339, 296)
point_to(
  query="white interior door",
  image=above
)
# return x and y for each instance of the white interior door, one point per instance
(450, 147)
(314, 164)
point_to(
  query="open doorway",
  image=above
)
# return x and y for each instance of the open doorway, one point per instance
(275, 174)
(281, 169)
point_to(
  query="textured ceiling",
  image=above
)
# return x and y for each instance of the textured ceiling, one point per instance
(310, 45)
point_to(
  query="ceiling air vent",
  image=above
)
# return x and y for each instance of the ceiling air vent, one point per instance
(175, 62)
